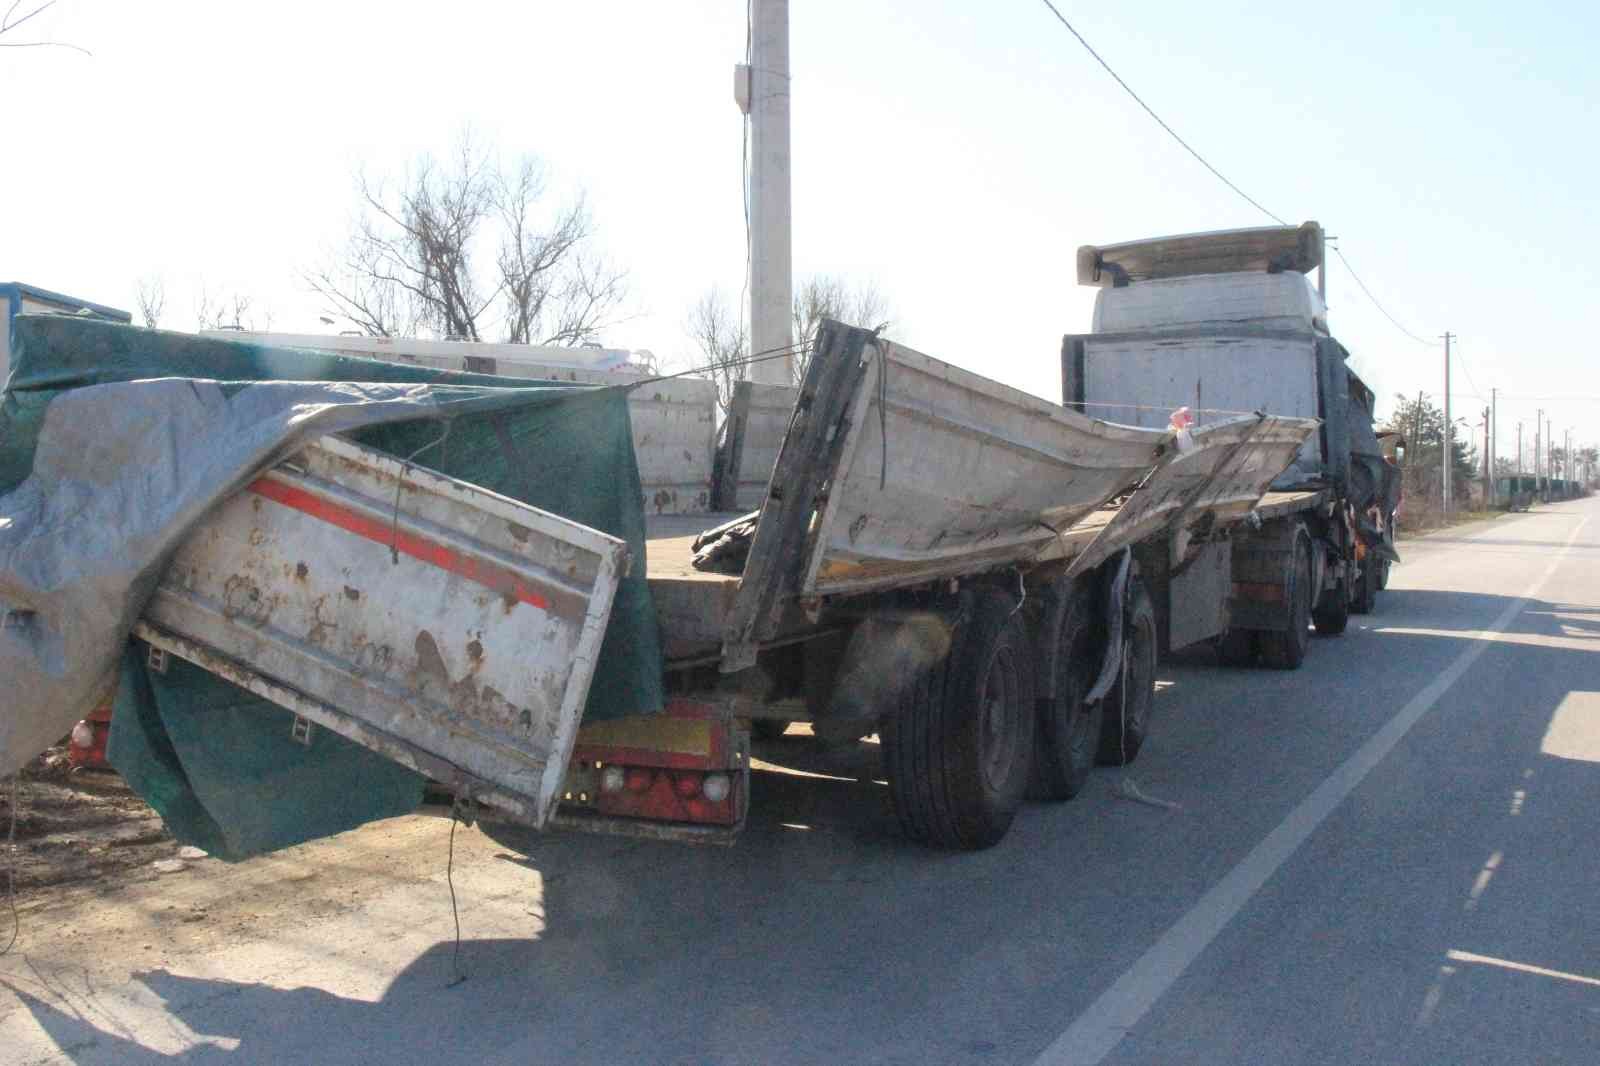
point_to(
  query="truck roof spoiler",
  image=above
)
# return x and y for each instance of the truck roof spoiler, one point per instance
(1264, 248)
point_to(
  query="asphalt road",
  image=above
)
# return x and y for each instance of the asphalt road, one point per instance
(1389, 856)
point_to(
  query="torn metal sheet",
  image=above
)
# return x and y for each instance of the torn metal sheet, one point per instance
(946, 472)
(899, 469)
(1224, 473)
(444, 626)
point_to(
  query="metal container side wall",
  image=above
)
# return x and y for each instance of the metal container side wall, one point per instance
(1140, 379)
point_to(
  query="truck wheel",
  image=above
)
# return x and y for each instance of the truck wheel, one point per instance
(1285, 649)
(1332, 612)
(1068, 733)
(958, 746)
(1236, 647)
(1128, 704)
(1366, 586)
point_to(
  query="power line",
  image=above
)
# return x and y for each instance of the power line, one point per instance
(1382, 310)
(1465, 369)
(1252, 201)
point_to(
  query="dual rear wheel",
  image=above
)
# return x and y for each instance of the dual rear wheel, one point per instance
(966, 740)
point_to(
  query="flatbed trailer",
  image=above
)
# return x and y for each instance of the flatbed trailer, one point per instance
(971, 573)
(983, 578)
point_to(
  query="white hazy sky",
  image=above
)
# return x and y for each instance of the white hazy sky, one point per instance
(955, 154)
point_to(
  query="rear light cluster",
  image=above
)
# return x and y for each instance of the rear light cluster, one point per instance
(651, 792)
(86, 744)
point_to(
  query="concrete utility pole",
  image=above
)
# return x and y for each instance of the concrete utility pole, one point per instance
(1444, 456)
(1519, 451)
(1488, 470)
(771, 267)
(1549, 459)
(1494, 441)
(1538, 466)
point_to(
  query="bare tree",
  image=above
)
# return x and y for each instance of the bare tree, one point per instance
(227, 311)
(11, 21)
(724, 344)
(464, 250)
(824, 296)
(152, 300)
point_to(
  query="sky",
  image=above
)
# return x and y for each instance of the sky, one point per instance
(954, 155)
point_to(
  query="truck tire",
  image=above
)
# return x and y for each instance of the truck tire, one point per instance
(958, 747)
(1332, 613)
(1285, 649)
(1067, 737)
(1366, 586)
(1383, 573)
(1236, 647)
(1126, 719)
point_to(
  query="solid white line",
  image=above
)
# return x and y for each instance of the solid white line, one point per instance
(1098, 1030)
(1521, 967)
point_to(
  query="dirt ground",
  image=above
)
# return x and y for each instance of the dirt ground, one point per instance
(79, 827)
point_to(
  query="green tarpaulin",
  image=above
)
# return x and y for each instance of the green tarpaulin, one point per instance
(219, 763)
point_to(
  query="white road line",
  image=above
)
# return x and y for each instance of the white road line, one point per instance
(1098, 1030)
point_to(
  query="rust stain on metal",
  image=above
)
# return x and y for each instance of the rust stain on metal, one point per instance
(301, 571)
(518, 533)
(431, 677)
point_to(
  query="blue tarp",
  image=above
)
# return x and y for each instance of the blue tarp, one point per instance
(114, 440)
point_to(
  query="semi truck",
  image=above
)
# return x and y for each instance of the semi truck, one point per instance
(1229, 321)
(982, 579)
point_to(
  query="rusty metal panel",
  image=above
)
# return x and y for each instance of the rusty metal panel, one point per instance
(1224, 473)
(946, 472)
(442, 625)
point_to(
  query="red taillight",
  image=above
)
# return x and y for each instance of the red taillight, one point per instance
(640, 779)
(686, 784)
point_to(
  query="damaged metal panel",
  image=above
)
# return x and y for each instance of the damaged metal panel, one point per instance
(758, 420)
(442, 625)
(946, 473)
(1223, 473)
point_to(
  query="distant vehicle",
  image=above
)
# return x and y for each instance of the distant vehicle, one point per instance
(17, 298)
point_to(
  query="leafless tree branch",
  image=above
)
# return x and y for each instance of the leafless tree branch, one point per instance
(417, 256)
(724, 344)
(824, 296)
(152, 299)
(8, 24)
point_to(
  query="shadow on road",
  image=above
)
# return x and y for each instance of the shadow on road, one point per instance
(824, 937)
